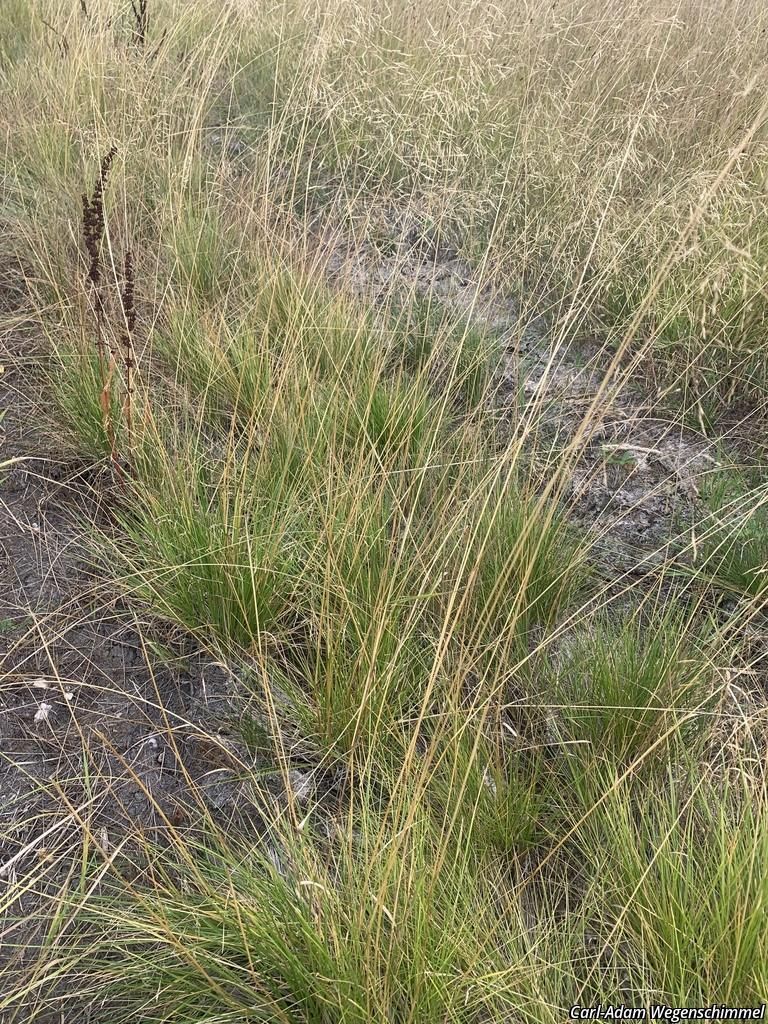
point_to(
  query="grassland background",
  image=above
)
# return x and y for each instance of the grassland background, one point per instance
(521, 745)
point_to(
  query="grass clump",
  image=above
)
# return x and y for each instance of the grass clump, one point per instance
(209, 552)
(491, 785)
(686, 882)
(293, 327)
(624, 685)
(733, 546)
(369, 598)
(92, 417)
(394, 422)
(459, 359)
(221, 362)
(380, 927)
(521, 563)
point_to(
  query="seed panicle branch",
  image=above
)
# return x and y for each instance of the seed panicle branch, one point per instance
(128, 300)
(93, 231)
(140, 10)
(94, 225)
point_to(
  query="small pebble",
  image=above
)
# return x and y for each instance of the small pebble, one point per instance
(43, 712)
